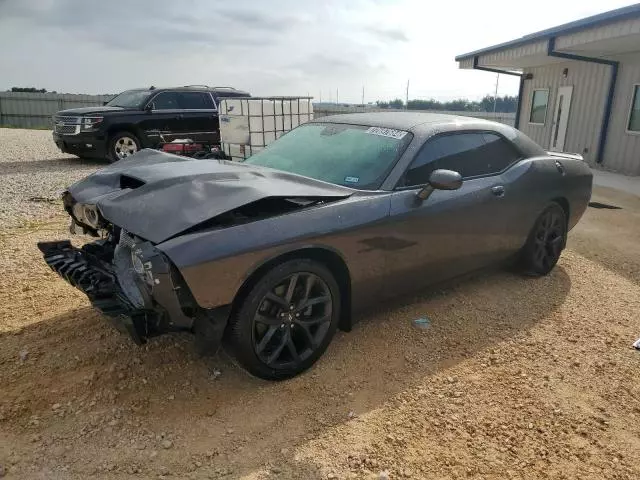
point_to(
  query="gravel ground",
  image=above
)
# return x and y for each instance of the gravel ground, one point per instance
(515, 378)
(34, 174)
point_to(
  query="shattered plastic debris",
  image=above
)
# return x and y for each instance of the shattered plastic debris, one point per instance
(636, 344)
(422, 322)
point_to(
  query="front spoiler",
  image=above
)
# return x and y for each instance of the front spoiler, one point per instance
(86, 271)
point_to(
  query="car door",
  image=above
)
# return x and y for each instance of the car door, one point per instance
(164, 117)
(200, 117)
(451, 232)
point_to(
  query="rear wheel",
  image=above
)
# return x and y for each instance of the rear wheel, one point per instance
(122, 145)
(287, 320)
(546, 241)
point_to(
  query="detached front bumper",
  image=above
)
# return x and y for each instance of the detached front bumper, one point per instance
(90, 269)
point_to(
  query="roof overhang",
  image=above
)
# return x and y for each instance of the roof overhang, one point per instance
(602, 36)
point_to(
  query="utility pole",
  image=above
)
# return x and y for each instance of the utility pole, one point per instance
(406, 103)
(495, 98)
(336, 96)
(320, 96)
(363, 95)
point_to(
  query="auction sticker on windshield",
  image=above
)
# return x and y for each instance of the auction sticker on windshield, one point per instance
(386, 132)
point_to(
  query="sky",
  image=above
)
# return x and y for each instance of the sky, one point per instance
(270, 47)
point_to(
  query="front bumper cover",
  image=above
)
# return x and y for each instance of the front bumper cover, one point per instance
(89, 144)
(95, 277)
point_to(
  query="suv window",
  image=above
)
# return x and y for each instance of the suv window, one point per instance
(166, 101)
(470, 154)
(196, 101)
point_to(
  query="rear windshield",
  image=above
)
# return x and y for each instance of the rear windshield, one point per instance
(129, 99)
(351, 155)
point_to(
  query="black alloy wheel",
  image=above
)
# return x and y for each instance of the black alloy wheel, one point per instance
(546, 241)
(287, 320)
(292, 320)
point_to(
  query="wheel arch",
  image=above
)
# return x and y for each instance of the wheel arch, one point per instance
(564, 204)
(125, 128)
(329, 257)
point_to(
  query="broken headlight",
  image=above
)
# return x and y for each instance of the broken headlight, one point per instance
(87, 215)
(142, 268)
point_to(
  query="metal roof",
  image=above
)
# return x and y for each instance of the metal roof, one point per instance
(593, 21)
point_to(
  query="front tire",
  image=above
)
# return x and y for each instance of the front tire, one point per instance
(546, 241)
(122, 145)
(286, 321)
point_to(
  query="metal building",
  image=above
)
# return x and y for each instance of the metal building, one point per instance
(579, 86)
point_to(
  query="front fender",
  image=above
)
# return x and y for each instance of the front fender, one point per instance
(216, 263)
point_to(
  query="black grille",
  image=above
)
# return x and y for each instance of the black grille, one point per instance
(66, 125)
(66, 129)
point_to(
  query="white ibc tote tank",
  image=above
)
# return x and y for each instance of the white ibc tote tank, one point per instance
(247, 125)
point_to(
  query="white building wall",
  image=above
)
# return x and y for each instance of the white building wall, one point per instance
(590, 83)
(622, 152)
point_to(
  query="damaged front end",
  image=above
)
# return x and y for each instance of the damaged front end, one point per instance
(127, 279)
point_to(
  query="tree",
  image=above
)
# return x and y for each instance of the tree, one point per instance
(503, 105)
(28, 89)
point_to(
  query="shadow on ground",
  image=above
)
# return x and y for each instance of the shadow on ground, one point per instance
(610, 236)
(96, 377)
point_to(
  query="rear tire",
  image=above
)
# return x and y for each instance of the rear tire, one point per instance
(286, 321)
(546, 241)
(122, 145)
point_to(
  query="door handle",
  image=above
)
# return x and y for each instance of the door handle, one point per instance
(179, 117)
(498, 190)
(560, 168)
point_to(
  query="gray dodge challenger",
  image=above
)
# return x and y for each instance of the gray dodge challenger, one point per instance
(271, 255)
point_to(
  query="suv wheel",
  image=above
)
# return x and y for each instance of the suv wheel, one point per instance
(122, 145)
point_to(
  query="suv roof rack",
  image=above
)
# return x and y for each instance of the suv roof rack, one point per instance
(222, 88)
(205, 86)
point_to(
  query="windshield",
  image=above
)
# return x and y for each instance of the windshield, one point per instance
(129, 99)
(351, 155)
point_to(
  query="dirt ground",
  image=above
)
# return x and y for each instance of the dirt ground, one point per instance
(515, 378)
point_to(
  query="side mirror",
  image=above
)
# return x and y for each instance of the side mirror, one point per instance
(149, 107)
(445, 180)
(441, 180)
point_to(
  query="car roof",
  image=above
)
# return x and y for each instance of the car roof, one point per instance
(407, 121)
(424, 125)
(187, 88)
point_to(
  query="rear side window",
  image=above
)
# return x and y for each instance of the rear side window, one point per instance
(470, 154)
(497, 154)
(196, 101)
(166, 101)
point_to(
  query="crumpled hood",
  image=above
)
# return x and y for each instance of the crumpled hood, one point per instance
(157, 195)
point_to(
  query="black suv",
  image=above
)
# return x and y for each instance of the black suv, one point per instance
(136, 119)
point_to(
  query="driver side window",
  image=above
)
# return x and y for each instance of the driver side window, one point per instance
(471, 154)
(166, 101)
(458, 152)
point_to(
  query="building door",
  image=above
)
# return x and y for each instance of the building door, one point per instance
(560, 120)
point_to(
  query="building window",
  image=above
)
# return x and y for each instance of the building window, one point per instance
(634, 114)
(539, 103)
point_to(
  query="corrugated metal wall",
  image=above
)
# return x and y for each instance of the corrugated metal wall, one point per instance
(34, 110)
(590, 83)
(622, 152)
